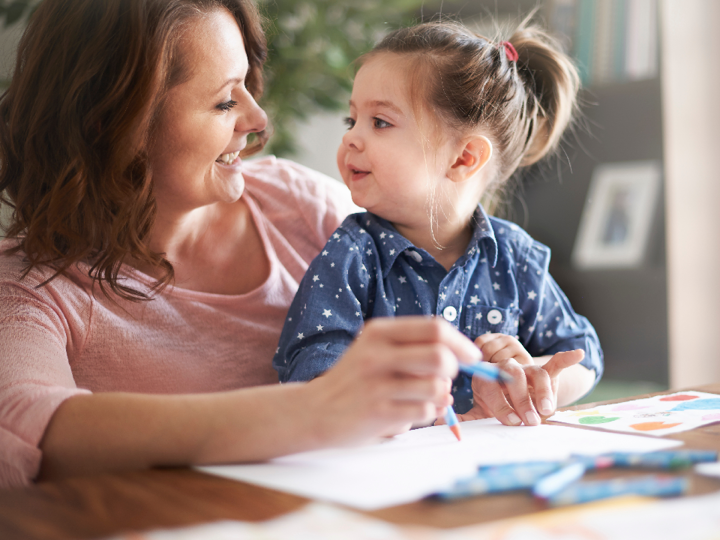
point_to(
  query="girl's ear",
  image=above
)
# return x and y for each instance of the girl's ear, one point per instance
(473, 156)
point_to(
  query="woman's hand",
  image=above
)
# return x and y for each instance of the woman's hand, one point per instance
(395, 374)
(533, 390)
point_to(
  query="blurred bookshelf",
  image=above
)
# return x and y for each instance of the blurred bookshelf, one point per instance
(613, 41)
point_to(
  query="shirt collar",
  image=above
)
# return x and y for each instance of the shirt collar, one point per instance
(391, 243)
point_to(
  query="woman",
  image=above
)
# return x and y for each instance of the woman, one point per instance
(149, 269)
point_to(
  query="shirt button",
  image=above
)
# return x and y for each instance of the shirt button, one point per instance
(415, 255)
(494, 316)
(450, 313)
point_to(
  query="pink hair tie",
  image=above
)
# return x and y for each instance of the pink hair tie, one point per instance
(510, 51)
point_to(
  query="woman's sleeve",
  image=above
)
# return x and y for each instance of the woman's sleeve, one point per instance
(35, 378)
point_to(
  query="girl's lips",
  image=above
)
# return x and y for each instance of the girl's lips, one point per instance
(357, 174)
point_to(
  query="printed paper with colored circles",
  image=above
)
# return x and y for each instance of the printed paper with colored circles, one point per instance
(657, 415)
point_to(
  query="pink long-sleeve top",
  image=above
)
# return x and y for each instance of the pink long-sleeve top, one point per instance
(66, 338)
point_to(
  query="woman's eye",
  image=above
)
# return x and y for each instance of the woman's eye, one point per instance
(227, 105)
(349, 122)
(381, 124)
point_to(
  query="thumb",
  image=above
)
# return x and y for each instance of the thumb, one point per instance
(562, 360)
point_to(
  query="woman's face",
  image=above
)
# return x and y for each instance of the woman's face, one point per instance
(205, 121)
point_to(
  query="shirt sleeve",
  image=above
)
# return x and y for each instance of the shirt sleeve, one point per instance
(549, 324)
(35, 378)
(327, 312)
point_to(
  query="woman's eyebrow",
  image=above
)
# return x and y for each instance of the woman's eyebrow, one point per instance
(232, 80)
(381, 103)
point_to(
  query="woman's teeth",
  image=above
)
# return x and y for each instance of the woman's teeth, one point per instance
(227, 159)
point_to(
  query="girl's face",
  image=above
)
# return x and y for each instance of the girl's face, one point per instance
(205, 121)
(382, 158)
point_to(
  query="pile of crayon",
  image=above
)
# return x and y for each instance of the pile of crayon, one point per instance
(560, 482)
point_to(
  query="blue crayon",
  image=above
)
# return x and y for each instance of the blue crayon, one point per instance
(650, 486)
(499, 478)
(486, 370)
(556, 481)
(672, 459)
(452, 422)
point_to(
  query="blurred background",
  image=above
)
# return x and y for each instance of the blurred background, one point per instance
(628, 204)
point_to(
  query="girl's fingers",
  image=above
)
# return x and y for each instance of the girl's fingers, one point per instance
(562, 360)
(543, 390)
(519, 393)
(493, 398)
(499, 347)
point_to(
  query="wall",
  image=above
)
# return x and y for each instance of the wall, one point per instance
(691, 78)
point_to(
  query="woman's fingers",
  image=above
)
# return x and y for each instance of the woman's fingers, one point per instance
(397, 372)
(418, 330)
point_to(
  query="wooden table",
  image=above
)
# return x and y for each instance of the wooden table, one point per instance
(104, 505)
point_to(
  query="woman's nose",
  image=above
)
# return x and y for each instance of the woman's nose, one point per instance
(252, 119)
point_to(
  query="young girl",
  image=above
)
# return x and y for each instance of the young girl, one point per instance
(440, 117)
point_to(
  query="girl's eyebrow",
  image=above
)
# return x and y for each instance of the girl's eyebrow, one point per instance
(381, 103)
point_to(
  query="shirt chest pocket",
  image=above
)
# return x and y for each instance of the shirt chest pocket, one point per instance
(490, 319)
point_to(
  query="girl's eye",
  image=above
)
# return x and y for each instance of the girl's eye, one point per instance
(381, 124)
(349, 122)
(225, 107)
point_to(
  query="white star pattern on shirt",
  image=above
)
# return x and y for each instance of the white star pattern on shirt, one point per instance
(442, 295)
(320, 327)
(496, 286)
(478, 316)
(316, 277)
(382, 235)
(474, 300)
(336, 236)
(301, 336)
(548, 333)
(392, 252)
(324, 253)
(369, 252)
(327, 313)
(532, 295)
(402, 279)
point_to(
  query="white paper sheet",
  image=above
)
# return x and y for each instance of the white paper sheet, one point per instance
(424, 461)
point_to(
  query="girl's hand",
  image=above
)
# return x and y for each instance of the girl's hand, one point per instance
(533, 389)
(499, 347)
(395, 374)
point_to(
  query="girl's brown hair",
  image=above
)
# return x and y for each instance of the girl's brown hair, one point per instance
(78, 118)
(467, 82)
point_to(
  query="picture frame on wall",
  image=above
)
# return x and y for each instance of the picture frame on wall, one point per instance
(617, 216)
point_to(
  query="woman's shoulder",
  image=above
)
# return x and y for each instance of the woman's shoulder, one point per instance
(288, 193)
(39, 282)
(271, 176)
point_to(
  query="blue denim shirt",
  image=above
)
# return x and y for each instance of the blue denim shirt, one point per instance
(367, 269)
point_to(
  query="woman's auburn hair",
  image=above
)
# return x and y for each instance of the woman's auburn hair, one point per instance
(78, 119)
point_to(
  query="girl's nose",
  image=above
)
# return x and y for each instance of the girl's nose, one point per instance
(352, 139)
